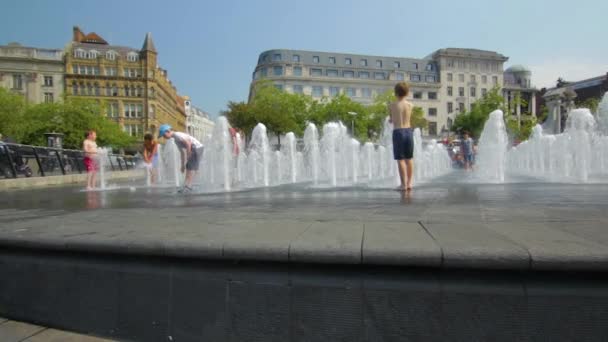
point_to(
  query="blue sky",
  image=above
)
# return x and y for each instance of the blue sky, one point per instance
(210, 47)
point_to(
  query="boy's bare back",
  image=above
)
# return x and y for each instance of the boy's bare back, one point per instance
(401, 111)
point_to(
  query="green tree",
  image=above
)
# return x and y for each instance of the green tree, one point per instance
(72, 118)
(592, 103)
(12, 107)
(240, 115)
(523, 131)
(474, 120)
(417, 119)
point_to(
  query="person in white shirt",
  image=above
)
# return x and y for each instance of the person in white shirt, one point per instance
(191, 151)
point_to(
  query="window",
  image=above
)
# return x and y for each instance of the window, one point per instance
(461, 64)
(461, 107)
(366, 93)
(127, 91)
(432, 111)
(277, 70)
(418, 95)
(379, 76)
(125, 72)
(132, 57)
(89, 70)
(48, 97)
(450, 91)
(495, 80)
(295, 58)
(400, 76)
(363, 62)
(432, 95)
(113, 109)
(450, 77)
(460, 91)
(298, 89)
(74, 89)
(348, 61)
(363, 74)
(332, 73)
(415, 78)
(473, 92)
(48, 81)
(317, 91)
(460, 77)
(151, 114)
(97, 90)
(297, 71)
(450, 107)
(74, 69)
(378, 63)
(108, 90)
(111, 55)
(264, 72)
(93, 54)
(316, 72)
(348, 74)
(332, 60)
(430, 78)
(83, 89)
(17, 81)
(82, 70)
(89, 89)
(334, 91)
(139, 110)
(429, 67)
(140, 91)
(111, 71)
(315, 59)
(432, 128)
(152, 92)
(450, 63)
(132, 73)
(351, 92)
(396, 65)
(79, 53)
(114, 90)
(484, 79)
(484, 91)
(276, 57)
(415, 65)
(473, 78)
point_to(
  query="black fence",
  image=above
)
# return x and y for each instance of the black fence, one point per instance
(26, 161)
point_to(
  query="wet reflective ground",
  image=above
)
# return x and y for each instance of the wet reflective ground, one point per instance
(454, 197)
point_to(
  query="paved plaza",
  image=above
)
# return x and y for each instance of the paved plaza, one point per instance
(448, 223)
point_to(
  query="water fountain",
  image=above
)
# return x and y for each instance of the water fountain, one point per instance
(492, 149)
(102, 162)
(311, 151)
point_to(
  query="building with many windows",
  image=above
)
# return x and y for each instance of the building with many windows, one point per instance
(35, 73)
(136, 92)
(198, 123)
(443, 84)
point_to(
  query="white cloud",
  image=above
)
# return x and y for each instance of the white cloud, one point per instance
(547, 73)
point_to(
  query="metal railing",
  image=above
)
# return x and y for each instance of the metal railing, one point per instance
(18, 160)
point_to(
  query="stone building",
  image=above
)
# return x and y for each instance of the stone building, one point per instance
(443, 84)
(35, 73)
(137, 93)
(519, 94)
(198, 122)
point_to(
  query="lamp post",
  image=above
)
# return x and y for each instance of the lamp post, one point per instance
(353, 114)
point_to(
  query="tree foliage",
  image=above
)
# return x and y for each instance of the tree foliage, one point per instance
(474, 120)
(283, 112)
(27, 123)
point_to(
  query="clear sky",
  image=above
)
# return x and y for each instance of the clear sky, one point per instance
(210, 48)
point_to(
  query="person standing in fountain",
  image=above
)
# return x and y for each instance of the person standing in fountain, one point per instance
(403, 135)
(191, 151)
(151, 156)
(90, 158)
(467, 151)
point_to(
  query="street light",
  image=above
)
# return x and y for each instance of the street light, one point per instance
(353, 114)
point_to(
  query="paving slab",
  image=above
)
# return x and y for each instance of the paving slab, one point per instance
(12, 331)
(473, 245)
(406, 244)
(329, 242)
(52, 335)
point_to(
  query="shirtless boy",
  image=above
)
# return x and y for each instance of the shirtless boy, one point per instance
(403, 135)
(90, 158)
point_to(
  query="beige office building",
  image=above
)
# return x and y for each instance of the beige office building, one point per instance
(443, 84)
(35, 73)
